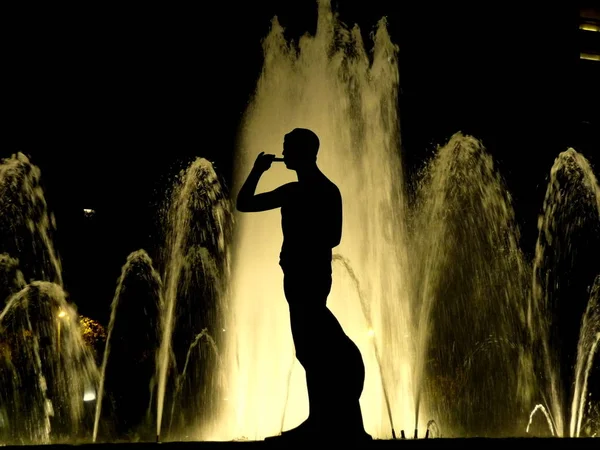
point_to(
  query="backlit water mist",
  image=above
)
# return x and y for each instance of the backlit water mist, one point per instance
(470, 289)
(159, 317)
(46, 369)
(462, 333)
(26, 225)
(565, 264)
(127, 384)
(194, 264)
(437, 294)
(332, 85)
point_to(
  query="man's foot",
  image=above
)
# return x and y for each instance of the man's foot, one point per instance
(308, 430)
(305, 431)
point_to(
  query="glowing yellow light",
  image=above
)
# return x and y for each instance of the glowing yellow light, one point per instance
(266, 385)
(89, 395)
(62, 313)
(589, 27)
(589, 56)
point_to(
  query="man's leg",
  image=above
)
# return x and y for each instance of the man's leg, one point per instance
(341, 382)
(333, 364)
(306, 294)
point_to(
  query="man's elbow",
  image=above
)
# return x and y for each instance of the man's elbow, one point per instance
(243, 204)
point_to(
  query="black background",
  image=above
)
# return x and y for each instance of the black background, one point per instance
(111, 101)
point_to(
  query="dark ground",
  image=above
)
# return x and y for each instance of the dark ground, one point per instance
(546, 443)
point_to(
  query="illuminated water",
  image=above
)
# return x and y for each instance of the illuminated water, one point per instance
(471, 286)
(437, 294)
(11, 277)
(194, 265)
(46, 368)
(127, 382)
(461, 333)
(26, 224)
(587, 349)
(349, 100)
(569, 230)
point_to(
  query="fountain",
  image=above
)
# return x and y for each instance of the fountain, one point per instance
(195, 272)
(128, 365)
(587, 348)
(464, 249)
(437, 293)
(47, 370)
(462, 334)
(327, 84)
(26, 225)
(571, 214)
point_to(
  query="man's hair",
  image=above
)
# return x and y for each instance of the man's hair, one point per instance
(305, 138)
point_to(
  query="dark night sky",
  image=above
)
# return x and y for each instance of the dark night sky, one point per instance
(110, 101)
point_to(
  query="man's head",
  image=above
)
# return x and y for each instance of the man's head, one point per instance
(300, 148)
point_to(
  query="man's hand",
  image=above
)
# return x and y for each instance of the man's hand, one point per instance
(263, 162)
(248, 201)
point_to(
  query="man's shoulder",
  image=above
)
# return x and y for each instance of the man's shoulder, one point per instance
(333, 188)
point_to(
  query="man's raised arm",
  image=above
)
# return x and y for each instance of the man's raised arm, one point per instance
(247, 200)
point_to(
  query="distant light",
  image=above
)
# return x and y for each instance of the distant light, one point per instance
(62, 313)
(589, 56)
(88, 212)
(589, 27)
(89, 396)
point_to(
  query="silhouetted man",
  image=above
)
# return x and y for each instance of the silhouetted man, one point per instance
(311, 220)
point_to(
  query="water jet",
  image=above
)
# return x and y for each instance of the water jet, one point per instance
(451, 314)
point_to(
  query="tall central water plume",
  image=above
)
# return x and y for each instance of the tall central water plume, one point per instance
(332, 85)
